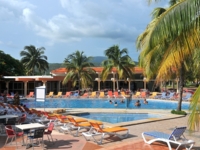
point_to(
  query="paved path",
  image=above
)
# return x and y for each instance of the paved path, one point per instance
(136, 129)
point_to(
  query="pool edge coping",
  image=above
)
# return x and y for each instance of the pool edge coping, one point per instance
(166, 115)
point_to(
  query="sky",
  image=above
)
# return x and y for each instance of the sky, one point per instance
(65, 26)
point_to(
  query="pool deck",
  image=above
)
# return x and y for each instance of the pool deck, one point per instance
(133, 142)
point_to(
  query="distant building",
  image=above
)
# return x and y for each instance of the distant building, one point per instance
(25, 84)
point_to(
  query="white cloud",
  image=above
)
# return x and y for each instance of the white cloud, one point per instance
(79, 19)
(11, 10)
(105, 19)
(82, 24)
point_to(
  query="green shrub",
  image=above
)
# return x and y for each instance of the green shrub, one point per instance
(178, 112)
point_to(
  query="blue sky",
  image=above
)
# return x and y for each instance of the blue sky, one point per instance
(64, 26)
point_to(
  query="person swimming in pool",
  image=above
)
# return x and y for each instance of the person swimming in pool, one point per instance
(122, 101)
(145, 101)
(110, 101)
(115, 104)
(138, 104)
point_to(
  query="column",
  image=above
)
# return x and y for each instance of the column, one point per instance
(99, 83)
(129, 84)
(114, 85)
(44, 83)
(25, 88)
(145, 86)
(113, 79)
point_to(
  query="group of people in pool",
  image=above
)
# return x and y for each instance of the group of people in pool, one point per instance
(115, 103)
(138, 104)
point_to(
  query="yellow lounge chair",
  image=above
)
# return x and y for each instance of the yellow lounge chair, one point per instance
(50, 95)
(137, 95)
(123, 94)
(80, 125)
(101, 95)
(58, 95)
(98, 130)
(93, 95)
(154, 94)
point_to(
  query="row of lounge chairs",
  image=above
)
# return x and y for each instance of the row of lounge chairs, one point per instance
(154, 95)
(164, 95)
(96, 130)
(94, 94)
(88, 128)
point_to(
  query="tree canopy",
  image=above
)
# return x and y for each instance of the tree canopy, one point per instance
(78, 70)
(10, 66)
(33, 58)
(120, 60)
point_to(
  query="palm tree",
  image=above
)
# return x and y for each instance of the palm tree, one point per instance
(120, 60)
(169, 42)
(78, 69)
(166, 45)
(33, 58)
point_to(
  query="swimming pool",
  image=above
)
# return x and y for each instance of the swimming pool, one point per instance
(118, 117)
(102, 103)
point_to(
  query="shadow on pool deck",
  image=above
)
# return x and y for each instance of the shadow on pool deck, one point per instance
(63, 142)
(67, 141)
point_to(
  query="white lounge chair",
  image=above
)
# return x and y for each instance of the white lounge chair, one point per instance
(170, 96)
(176, 137)
(96, 130)
(187, 97)
(162, 96)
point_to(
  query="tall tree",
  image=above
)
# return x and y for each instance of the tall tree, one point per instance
(10, 66)
(174, 36)
(33, 58)
(79, 70)
(120, 60)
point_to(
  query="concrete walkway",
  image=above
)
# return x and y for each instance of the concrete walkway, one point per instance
(133, 142)
(164, 125)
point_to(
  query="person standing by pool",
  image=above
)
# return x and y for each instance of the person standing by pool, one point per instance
(138, 104)
(5, 95)
(16, 99)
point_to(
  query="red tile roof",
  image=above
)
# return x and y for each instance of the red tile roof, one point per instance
(137, 70)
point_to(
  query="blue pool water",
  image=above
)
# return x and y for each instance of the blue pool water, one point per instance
(117, 117)
(102, 103)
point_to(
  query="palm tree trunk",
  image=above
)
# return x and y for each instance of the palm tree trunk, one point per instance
(79, 82)
(181, 80)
